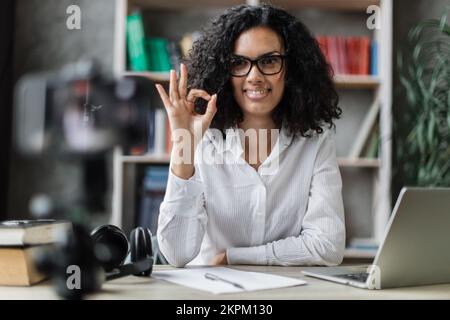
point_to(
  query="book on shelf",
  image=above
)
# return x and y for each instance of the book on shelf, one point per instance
(362, 248)
(364, 60)
(156, 140)
(374, 58)
(151, 131)
(17, 265)
(160, 132)
(349, 55)
(158, 55)
(371, 147)
(365, 130)
(135, 35)
(363, 244)
(153, 190)
(31, 232)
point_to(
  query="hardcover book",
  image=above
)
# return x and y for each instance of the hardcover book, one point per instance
(31, 232)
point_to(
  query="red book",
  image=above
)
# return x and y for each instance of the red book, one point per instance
(365, 53)
(357, 55)
(323, 47)
(333, 54)
(350, 51)
(342, 56)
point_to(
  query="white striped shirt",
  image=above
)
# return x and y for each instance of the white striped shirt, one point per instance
(291, 214)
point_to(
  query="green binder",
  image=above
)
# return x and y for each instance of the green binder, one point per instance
(136, 43)
(158, 55)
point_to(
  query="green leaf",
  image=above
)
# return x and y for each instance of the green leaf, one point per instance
(420, 137)
(416, 52)
(431, 127)
(410, 93)
(443, 25)
(448, 117)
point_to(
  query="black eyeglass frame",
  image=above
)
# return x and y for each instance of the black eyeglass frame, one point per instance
(255, 62)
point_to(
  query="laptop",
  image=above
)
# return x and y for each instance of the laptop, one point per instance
(414, 251)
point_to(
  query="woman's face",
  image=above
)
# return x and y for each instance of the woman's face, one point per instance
(258, 94)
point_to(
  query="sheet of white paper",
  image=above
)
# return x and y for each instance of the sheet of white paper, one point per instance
(194, 277)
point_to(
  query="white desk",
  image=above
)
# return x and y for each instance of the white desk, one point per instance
(147, 288)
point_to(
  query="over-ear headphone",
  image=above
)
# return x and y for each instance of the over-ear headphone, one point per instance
(111, 248)
(98, 256)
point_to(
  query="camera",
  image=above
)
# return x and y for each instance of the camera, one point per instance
(77, 111)
(79, 114)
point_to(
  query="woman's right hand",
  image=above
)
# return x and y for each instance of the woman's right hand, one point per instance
(179, 104)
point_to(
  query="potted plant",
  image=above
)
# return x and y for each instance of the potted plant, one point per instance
(422, 131)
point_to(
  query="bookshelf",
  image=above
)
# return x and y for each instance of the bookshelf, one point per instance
(366, 181)
(341, 81)
(348, 5)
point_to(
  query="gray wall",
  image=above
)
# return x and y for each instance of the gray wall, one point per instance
(43, 42)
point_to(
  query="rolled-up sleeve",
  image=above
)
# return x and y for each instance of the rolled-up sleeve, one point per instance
(182, 219)
(322, 235)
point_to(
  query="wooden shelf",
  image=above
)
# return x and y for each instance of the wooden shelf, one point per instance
(164, 159)
(356, 81)
(341, 81)
(127, 167)
(343, 162)
(342, 5)
(155, 76)
(360, 253)
(359, 162)
(336, 5)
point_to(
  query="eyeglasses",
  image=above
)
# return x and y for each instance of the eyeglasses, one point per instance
(267, 65)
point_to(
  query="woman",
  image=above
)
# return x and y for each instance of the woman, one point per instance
(269, 89)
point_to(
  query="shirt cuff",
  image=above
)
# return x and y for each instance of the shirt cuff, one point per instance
(178, 188)
(250, 255)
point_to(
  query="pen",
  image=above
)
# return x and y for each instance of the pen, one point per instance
(214, 277)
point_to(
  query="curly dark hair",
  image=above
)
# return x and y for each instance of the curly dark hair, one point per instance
(310, 100)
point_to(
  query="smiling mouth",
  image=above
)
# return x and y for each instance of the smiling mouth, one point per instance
(256, 94)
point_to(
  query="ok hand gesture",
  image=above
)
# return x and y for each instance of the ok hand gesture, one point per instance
(179, 104)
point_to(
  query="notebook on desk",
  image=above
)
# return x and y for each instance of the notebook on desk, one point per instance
(225, 280)
(415, 249)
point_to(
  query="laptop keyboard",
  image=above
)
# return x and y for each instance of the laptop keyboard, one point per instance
(359, 277)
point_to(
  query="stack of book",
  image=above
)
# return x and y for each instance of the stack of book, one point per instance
(20, 242)
(157, 140)
(154, 54)
(145, 53)
(350, 55)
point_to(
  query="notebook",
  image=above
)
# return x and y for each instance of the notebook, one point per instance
(225, 280)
